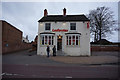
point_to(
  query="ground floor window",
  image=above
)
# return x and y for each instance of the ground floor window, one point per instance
(73, 40)
(47, 39)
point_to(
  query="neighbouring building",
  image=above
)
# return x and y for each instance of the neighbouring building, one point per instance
(34, 44)
(69, 33)
(25, 39)
(12, 38)
(35, 40)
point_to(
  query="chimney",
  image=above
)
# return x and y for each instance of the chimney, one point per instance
(64, 12)
(45, 12)
(27, 37)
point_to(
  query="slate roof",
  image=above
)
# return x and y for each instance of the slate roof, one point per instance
(55, 18)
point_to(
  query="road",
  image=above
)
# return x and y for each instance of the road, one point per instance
(43, 71)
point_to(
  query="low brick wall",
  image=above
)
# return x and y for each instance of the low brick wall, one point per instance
(105, 48)
(14, 48)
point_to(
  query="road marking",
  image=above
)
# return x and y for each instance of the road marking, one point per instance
(11, 74)
(26, 64)
(68, 77)
(52, 76)
(2, 74)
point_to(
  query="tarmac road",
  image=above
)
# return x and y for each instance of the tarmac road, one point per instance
(42, 71)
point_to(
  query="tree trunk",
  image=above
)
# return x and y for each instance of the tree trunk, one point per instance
(95, 37)
(100, 34)
(100, 25)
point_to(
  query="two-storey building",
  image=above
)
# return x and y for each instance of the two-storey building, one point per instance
(69, 33)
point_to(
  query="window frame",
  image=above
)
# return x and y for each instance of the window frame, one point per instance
(47, 40)
(73, 25)
(46, 25)
(72, 42)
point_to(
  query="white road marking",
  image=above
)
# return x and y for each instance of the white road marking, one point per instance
(68, 77)
(10, 74)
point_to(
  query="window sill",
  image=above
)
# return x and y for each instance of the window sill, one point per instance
(72, 45)
(72, 30)
(46, 45)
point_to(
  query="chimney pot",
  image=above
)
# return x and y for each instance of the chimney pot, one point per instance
(64, 12)
(45, 12)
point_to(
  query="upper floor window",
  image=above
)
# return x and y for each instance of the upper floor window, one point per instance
(47, 26)
(72, 26)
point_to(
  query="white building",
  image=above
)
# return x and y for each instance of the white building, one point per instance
(69, 33)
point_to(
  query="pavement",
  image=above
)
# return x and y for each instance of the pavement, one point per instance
(87, 60)
(38, 71)
(24, 57)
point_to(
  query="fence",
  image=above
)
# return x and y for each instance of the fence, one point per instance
(105, 48)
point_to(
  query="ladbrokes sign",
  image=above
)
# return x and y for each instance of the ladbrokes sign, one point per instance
(59, 30)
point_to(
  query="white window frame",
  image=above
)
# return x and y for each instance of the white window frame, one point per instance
(43, 35)
(45, 26)
(75, 27)
(71, 35)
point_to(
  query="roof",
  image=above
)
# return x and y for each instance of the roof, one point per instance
(55, 18)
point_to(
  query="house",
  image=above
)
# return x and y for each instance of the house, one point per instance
(69, 33)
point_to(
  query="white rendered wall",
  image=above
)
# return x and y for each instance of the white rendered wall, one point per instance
(82, 49)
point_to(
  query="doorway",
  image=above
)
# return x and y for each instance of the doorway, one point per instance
(59, 42)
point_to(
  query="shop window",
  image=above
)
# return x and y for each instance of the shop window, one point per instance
(52, 40)
(76, 40)
(72, 26)
(79, 40)
(47, 40)
(69, 40)
(73, 40)
(42, 40)
(47, 26)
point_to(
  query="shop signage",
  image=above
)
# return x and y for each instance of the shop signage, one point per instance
(88, 25)
(59, 30)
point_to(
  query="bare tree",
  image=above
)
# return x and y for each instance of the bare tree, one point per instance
(101, 22)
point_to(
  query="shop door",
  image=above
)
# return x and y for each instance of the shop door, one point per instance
(59, 43)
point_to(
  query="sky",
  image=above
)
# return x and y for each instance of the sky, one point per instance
(25, 15)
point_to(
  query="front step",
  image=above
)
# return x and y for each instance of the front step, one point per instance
(60, 53)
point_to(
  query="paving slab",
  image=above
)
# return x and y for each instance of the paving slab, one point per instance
(86, 60)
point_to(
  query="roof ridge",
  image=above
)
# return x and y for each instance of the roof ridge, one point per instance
(67, 15)
(80, 17)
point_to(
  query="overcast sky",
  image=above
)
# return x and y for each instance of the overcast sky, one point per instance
(25, 15)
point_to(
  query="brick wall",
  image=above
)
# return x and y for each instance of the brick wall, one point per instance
(105, 48)
(12, 38)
